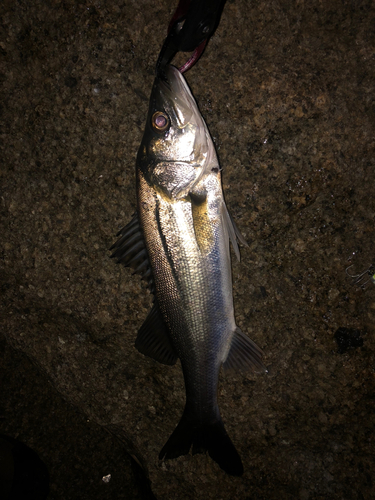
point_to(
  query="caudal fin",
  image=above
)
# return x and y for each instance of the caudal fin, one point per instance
(212, 438)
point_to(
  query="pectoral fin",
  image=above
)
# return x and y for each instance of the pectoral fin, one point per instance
(243, 354)
(153, 339)
(233, 231)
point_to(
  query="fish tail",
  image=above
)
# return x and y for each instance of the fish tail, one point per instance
(211, 437)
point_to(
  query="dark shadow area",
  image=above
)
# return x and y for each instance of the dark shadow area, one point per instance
(77, 453)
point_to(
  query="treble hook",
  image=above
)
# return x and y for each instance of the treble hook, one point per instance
(359, 278)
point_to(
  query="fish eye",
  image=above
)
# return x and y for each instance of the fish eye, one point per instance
(160, 121)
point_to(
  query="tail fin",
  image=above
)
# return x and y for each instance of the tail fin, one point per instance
(203, 437)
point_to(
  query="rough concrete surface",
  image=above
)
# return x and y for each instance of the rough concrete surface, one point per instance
(287, 90)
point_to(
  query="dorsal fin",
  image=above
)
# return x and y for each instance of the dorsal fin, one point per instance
(130, 250)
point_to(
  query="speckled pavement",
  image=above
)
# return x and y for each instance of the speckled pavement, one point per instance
(287, 90)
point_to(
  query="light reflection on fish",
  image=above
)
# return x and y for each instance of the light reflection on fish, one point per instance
(179, 241)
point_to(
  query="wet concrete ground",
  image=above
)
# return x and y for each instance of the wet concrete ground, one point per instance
(287, 90)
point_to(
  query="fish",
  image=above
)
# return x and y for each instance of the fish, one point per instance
(179, 242)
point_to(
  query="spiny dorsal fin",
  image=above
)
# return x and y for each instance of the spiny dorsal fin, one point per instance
(153, 339)
(243, 354)
(130, 250)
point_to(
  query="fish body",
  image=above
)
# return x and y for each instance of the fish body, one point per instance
(182, 231)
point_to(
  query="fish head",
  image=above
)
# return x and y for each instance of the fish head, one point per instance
(176, 149)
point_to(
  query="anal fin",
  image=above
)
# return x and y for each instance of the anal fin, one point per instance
(243, 354)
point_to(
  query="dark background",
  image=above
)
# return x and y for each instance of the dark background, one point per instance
(287, 90)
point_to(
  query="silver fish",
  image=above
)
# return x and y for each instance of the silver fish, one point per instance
(179, 241)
